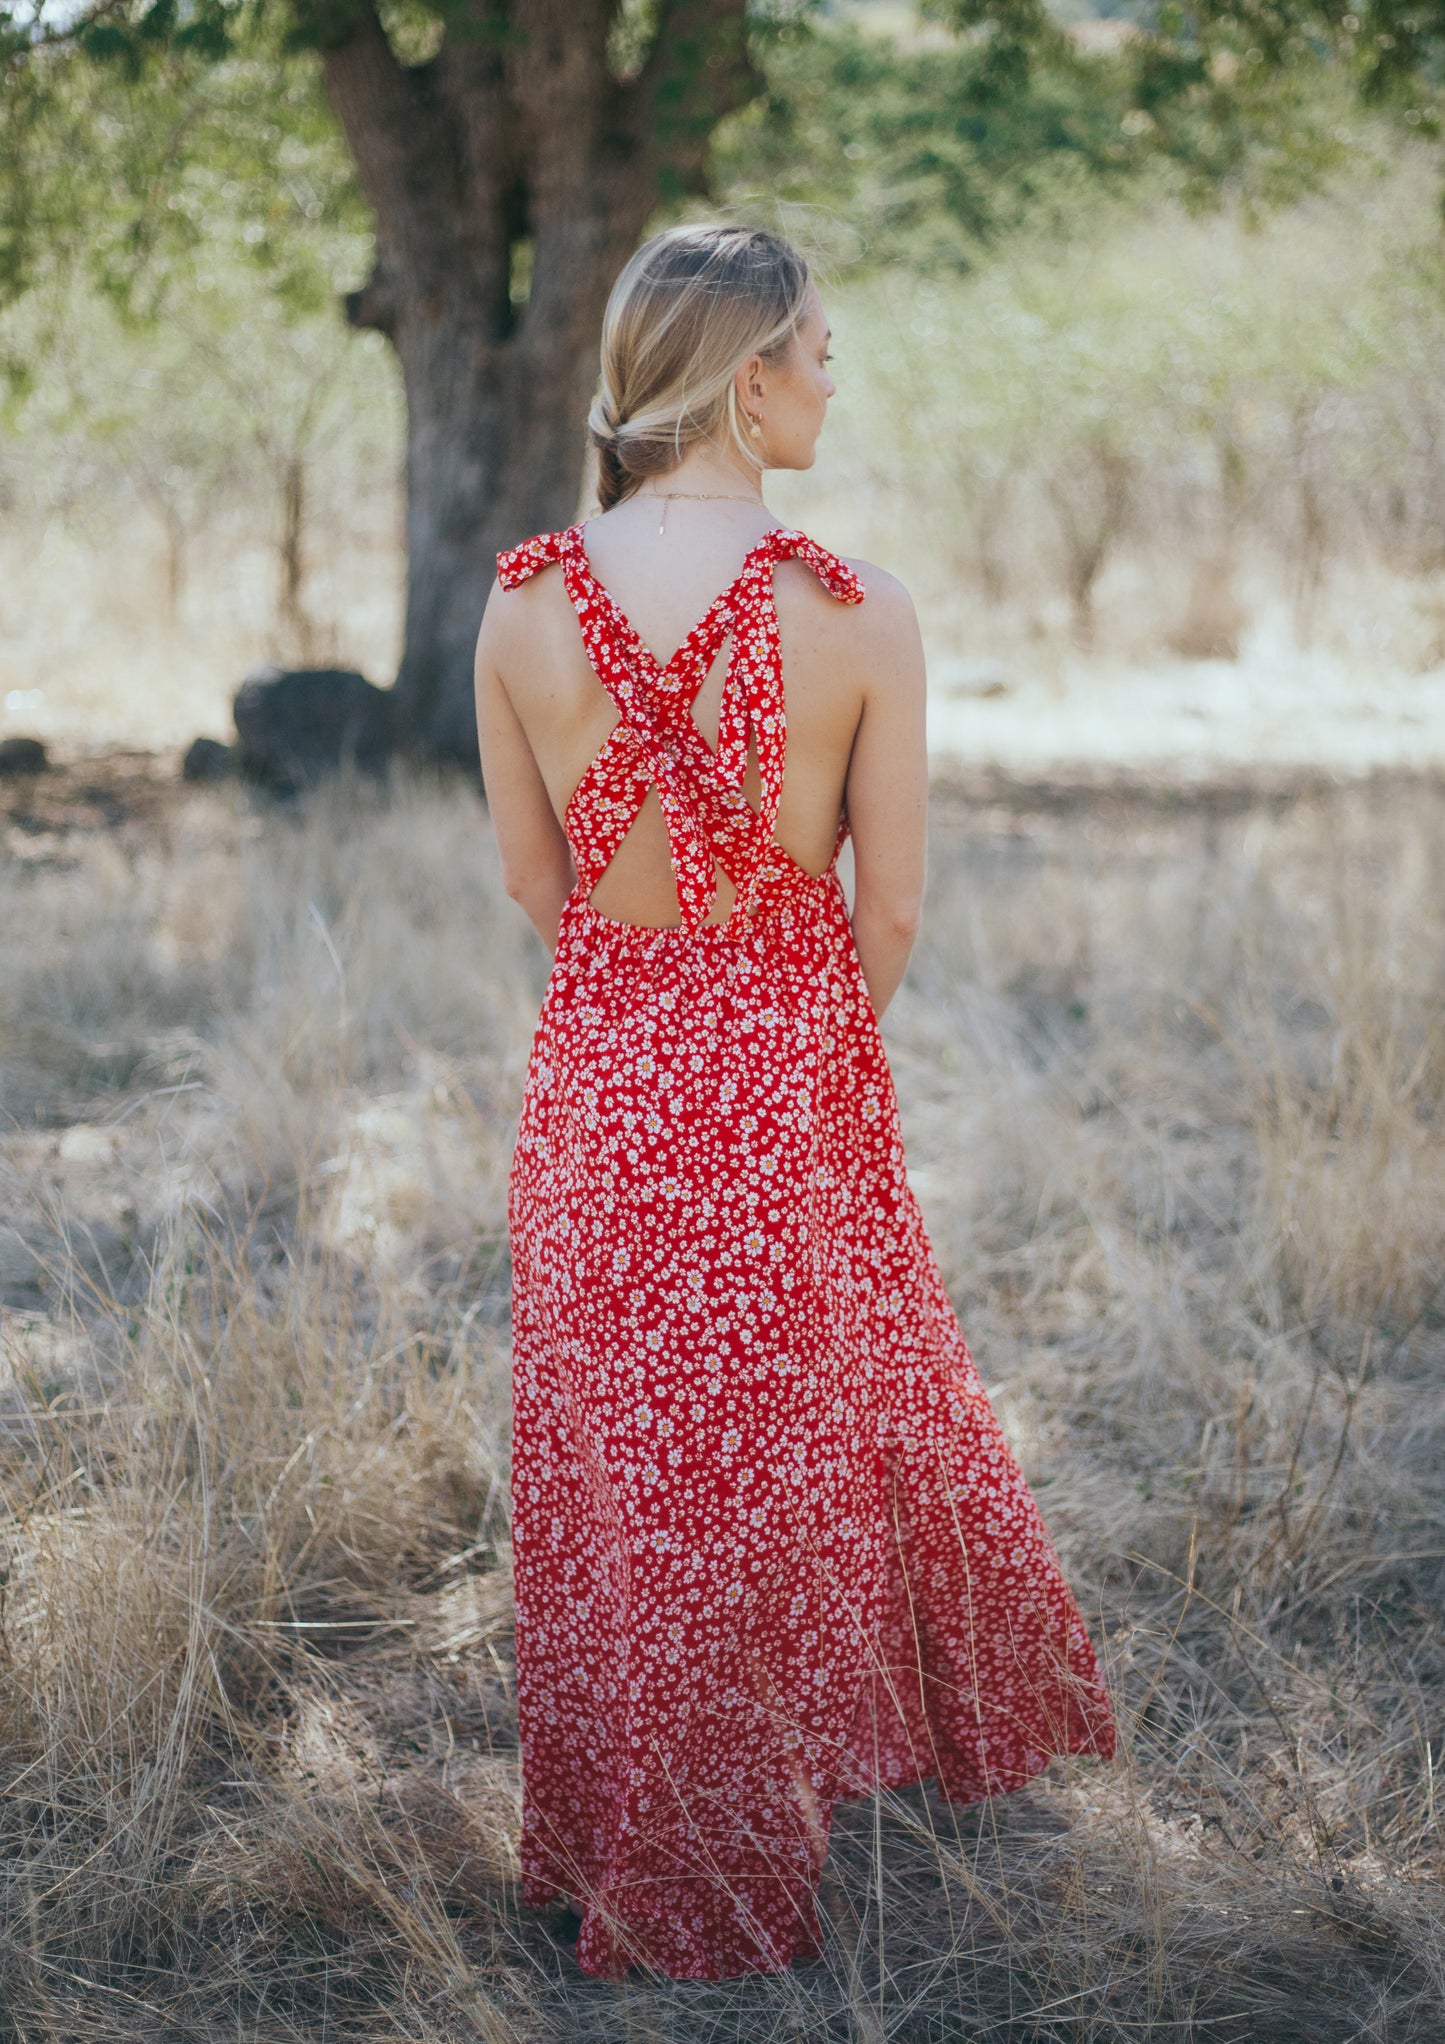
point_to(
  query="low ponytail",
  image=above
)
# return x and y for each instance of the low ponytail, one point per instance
(613, 481)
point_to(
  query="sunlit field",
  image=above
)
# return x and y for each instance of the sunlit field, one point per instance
(1172, 1072)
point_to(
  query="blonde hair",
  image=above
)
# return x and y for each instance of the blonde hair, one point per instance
(684, 315)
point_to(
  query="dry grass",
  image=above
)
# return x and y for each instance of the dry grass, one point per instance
(1172, 1073)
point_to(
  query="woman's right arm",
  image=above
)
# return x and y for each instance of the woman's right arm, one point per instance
(536, 860)
(887, 788)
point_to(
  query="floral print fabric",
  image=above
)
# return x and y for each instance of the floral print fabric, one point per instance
(771, 1545)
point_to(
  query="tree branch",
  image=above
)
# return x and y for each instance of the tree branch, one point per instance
(697, 70)
(19, 40)
(406, 151)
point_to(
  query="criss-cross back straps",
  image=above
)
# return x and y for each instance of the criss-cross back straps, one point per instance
(656, 742)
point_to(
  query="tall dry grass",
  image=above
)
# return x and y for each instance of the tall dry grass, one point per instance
(1172, 1079)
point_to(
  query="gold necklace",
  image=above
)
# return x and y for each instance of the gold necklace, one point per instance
(697, 497)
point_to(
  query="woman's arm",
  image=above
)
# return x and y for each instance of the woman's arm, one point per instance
(887, 789)
(536, 861)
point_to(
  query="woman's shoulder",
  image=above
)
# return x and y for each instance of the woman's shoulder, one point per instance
(883, 590)
(870, 646)
(518, 564)
(521, 597)
(885, 603)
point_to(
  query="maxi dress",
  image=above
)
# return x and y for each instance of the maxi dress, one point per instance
(771, 1546)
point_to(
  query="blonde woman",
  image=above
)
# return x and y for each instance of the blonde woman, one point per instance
(771, 1546)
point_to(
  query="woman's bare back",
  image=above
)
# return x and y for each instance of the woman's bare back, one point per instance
(664, 585)
(853, 692)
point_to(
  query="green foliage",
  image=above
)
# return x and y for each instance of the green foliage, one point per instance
(929, 147)
(924, 154)
(1210, 57)
(130, 37)
(171, 336)
(932, 150)
(131, 179)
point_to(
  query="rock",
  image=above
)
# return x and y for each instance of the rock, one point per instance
(23, 756)
(208, 760)
(294, 726)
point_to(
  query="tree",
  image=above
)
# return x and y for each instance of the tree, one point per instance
(512, 152)
(511, 174)
(1208, 63)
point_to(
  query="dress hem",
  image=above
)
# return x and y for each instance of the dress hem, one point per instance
(540, 1894)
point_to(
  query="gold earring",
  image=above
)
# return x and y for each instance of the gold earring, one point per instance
(755, 431)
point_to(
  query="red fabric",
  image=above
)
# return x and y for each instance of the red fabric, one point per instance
(771, 1545)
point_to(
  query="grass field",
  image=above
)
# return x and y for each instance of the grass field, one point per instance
(1172, 1067)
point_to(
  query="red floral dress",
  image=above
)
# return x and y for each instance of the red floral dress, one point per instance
(771, 1545)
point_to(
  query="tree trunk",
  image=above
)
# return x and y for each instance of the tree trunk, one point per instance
(511, 175)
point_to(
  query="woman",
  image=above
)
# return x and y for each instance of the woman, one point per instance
(771, 1547)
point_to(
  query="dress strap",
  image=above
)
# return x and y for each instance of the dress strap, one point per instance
(753, 698)
(785, 542)
(753, 702)
(519, 562)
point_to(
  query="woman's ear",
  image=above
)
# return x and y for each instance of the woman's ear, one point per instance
(750, 383)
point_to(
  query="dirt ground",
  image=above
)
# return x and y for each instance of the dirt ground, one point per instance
(1171, 1065)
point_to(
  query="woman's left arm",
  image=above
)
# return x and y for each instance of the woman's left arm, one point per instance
(536, 860)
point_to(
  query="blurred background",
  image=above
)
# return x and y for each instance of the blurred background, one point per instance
(1147, 410)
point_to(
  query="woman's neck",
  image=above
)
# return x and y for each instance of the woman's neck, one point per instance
(706, 471)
